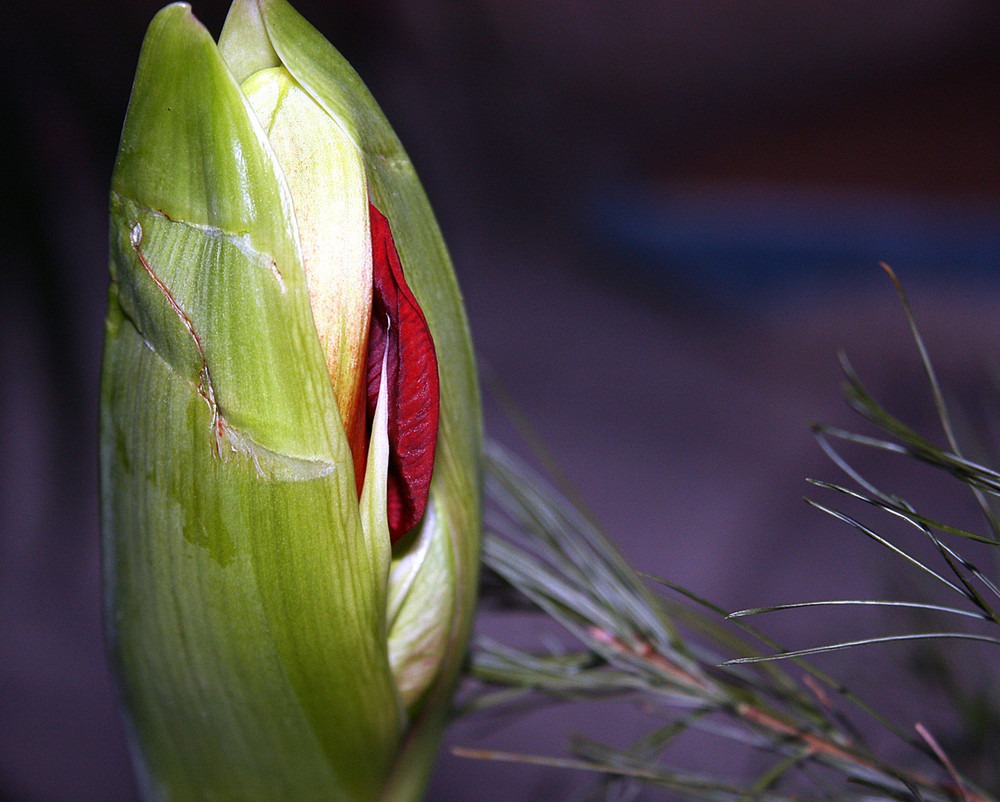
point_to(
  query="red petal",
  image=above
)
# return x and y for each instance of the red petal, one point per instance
(399, 329)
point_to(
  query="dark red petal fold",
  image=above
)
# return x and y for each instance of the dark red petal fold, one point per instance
(399, 332)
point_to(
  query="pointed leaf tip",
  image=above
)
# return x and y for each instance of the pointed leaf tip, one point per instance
(399, 331)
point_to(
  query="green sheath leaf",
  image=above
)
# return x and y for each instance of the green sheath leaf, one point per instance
(246, 608)
(437, 567)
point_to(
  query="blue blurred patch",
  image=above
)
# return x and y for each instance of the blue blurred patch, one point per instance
(738, 240)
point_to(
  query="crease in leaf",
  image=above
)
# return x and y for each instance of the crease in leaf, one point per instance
(241, 242)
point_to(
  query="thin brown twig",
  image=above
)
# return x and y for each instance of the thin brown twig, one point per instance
(552, 762)
(945, 760)
(816, 744)
(645, 651)
(818, 691)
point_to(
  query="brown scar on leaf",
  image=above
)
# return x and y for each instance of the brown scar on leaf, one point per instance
(204, 386)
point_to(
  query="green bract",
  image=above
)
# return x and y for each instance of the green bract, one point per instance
(269, 641)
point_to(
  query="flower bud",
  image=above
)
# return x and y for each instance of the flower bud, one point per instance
(290, 431)
(325, 174)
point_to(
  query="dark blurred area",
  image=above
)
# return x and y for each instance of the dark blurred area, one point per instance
(666, 218)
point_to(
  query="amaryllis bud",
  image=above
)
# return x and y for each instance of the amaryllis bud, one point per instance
(343, 240)
(290, 430)
(325, 175)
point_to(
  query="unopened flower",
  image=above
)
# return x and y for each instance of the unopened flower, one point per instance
(290, 430)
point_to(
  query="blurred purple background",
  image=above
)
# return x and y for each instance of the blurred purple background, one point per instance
(666, 218)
